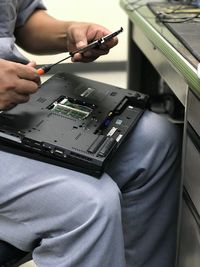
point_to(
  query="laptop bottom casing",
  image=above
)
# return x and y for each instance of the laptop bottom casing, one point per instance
(72, 122)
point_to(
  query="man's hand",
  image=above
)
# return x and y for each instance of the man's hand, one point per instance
(80, 34)
(17, 82)
(43, 34)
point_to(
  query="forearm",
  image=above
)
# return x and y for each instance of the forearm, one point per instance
(43, 34)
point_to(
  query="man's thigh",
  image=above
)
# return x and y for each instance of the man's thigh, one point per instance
(33, 192)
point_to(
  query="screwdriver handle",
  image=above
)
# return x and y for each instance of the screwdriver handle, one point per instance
(41, 71)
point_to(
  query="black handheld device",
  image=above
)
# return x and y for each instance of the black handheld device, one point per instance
(97, 43)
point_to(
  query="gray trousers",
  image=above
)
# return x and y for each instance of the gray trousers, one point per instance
(128, 217)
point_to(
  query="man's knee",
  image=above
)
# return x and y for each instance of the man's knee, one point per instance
(155, 129)
(78, 201)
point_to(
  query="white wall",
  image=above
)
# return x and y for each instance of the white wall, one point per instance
(105, 12)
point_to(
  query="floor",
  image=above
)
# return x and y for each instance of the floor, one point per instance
(117, 78)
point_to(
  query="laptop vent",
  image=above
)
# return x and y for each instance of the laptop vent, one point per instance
(78, 136)
(41, 100)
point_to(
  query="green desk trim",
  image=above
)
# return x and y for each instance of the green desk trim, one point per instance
(145, 20)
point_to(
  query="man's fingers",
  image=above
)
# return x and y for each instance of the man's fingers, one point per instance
(11, 99)
(26, 87)
(22, 98)
(18, 81)
(32, 64)
(28, 72)
(89, 55)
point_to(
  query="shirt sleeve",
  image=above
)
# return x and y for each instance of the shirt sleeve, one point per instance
(26, 8)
